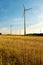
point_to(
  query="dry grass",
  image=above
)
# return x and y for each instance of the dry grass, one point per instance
(28, 50)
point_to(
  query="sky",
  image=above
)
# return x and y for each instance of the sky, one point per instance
(12, 14)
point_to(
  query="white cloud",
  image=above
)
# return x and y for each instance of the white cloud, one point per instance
(40, 16)
(17, 19)
(7, 31)
(4, 30)
(37, 28)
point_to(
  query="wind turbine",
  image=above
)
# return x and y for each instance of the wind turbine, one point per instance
(10, 29)
(25, 19)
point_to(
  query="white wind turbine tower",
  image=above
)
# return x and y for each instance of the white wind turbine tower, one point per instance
(25, 18)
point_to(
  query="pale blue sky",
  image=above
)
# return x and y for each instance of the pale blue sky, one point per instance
(11, 12)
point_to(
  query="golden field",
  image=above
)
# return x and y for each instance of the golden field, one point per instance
(21, 50)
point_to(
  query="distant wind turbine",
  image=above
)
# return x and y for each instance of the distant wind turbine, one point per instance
(10, 29)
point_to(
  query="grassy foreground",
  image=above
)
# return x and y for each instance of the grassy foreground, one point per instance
(21, 50)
